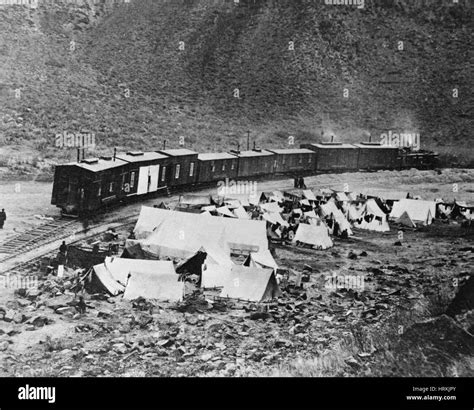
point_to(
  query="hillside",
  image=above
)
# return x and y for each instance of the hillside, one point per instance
(121, 72)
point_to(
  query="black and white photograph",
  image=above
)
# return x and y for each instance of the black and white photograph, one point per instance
(271, 194)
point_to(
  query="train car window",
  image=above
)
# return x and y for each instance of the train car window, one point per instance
(111, 187)
(99, 191)
(163, 174)
(284, 160)
(132, 179)
(275, 163)
(301, 159)
(309, 160)
(232, 166)
(191, 169)
(213, 167)
(178, 167)
(223, 167)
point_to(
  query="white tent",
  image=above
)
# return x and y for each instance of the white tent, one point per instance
(329, 209)
(378, 218)
(180, 234)
(241, 213)
(271, 207)
(275, 218)
(224, 211)
(355, 211)
(405, 220)
(419, 211)
(261, 260)
(314, 235)
(308, 194)
(342, 197)
(242, 282)
(151, 278)
(158, 283)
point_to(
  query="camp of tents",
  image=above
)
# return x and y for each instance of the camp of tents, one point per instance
(204, 238)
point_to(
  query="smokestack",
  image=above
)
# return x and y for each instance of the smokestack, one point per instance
(370, 137)
(78, 155)
(238, 146)
(332, 138)
(164, 144)
(254, 146)
(248, 140)
(115, 153)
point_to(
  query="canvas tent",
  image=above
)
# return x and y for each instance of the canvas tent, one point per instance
(240, 213)
(224, 211)
(419, 211)
(275, 218)
(341, 197)
(100, 278)
(180, 235)
(157, 277)
(330, 209)
(242, 282)
(271, 207)
(160, 284)
(372, 218)
(261, 260)
(308, 194)
(314, 235)
(405, 220)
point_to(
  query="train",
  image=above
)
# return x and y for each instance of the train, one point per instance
(90, 184)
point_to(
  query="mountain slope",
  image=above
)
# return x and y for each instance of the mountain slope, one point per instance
(128, 79)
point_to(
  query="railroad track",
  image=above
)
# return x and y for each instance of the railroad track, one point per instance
(41, 246)
(37, 237)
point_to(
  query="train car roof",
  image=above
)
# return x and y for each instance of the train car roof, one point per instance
(292, 151)
(177, 152)
(137, 156)
(333, 145)
(96, 164)
(374, 145)
(212, 156)
(252, 153)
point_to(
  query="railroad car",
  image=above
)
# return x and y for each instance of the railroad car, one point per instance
(254, 163)
(418, 159)
(299, 160)
(373, 155)
(217, 166)
(85, 186)
(143, 173)
(182, 169)
(334, 156)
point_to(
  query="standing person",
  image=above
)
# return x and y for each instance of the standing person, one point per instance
(63, 248)
(3, 218)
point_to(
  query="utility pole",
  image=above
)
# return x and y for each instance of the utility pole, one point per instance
(248, 140)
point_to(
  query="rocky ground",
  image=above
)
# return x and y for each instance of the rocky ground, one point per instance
(396, 324)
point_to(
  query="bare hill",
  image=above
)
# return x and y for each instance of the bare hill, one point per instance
(149, 70)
